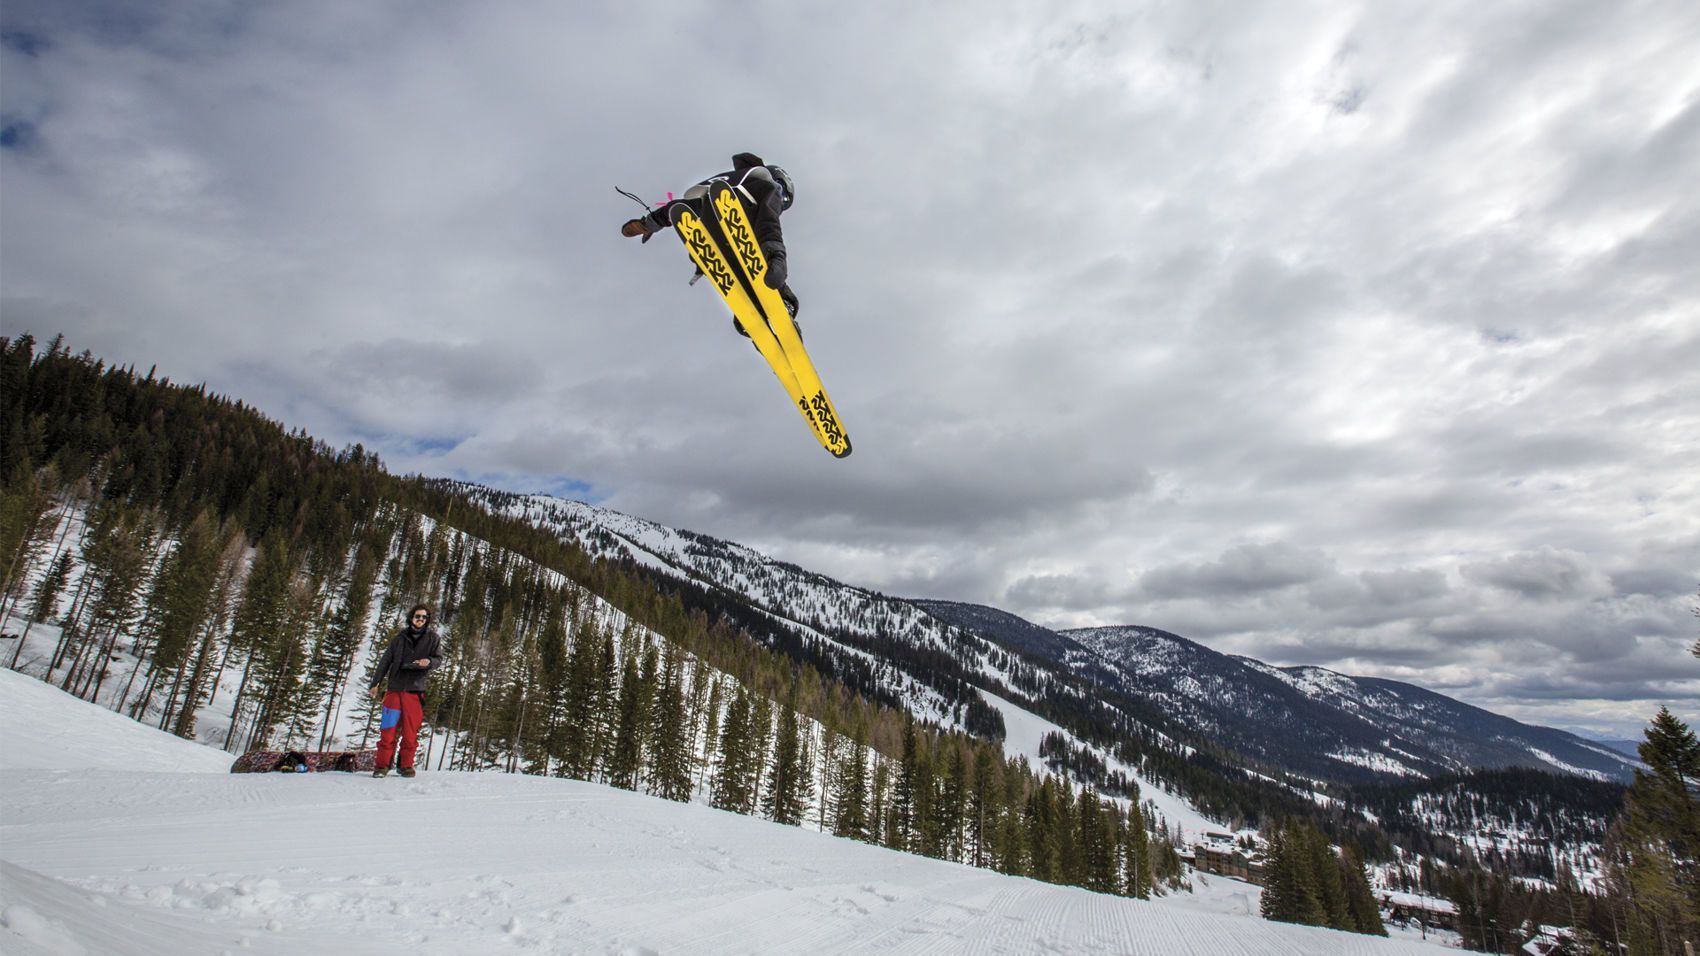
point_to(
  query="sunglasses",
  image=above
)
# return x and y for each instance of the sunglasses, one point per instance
(421, 617)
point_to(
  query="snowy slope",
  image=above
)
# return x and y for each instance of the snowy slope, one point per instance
(93, 738)
(100, 855)
(1164, 810)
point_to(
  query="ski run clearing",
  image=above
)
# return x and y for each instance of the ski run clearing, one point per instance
(116, 838)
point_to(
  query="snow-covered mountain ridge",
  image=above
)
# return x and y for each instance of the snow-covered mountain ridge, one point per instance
(1382, 726)
(1305, 720)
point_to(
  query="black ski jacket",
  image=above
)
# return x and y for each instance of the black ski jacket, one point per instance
(765, 199)
(405, 648)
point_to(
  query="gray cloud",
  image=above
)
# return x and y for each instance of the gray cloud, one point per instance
(1548, 573)
(1069, 591)
(1653, 581)
(1247, 568)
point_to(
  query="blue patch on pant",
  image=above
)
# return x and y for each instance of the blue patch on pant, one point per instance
(392, 717)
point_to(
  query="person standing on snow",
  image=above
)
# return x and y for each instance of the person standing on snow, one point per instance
(767, 191)
(412, 655)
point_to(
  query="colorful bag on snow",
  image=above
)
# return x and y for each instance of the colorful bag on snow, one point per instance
(298, 761)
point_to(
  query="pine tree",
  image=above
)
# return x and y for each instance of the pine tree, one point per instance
(950, 808)
(116, 553)
(1654, 846)
(262, 614)
(306, 705)
(1096, 851)
(633, 709)
(602, 703)
(279, 661)
(983, 805)
(335, 658)
(1166, 861)
(493, 699)
(732, 789)
(583, 712)
(902, 832)
(27, 523)
(792, 804)
(179, 604)
(852, 797)
(670, 769)
(879, 801)
(1044, 842)
(1289, 885)
(552, 676)
(189, 688)
(761, 742)
(1115, 841)
(783, 801)
(711, 724)
(1070, 869)
(1012, 838)
(50, 589)
(1364, 914)
(1580, 912)
(526, 702)
(1480, 898)
(1136, 855)
(1324, 870)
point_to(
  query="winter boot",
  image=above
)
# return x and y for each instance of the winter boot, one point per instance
(381, 772)
(406, 772)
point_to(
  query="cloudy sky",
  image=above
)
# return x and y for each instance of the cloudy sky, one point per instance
(1355, 334)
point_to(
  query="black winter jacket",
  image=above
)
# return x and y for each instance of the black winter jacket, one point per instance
(398, 661)
(767, 203)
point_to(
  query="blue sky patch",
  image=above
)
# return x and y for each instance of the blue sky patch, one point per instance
(24, 41)
(16, 133)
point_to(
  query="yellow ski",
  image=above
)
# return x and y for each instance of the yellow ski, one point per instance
(735, 224)
(712, 261)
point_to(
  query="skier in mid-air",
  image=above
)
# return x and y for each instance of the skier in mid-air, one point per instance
(729, 224)
(768, 191)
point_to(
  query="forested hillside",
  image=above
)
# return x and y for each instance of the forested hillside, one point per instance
(177, 556)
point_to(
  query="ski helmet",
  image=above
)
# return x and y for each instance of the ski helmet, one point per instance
(787, 192)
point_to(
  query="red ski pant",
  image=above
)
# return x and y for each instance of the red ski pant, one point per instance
(403, 711)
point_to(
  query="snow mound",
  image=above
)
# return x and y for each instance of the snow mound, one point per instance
(41, 915)
(42, 727)
(99, 861)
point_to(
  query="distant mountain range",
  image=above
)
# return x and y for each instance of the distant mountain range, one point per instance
(1307, 721)
(1630, 747)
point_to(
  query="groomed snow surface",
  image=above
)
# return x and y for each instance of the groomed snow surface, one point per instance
(116, 838)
